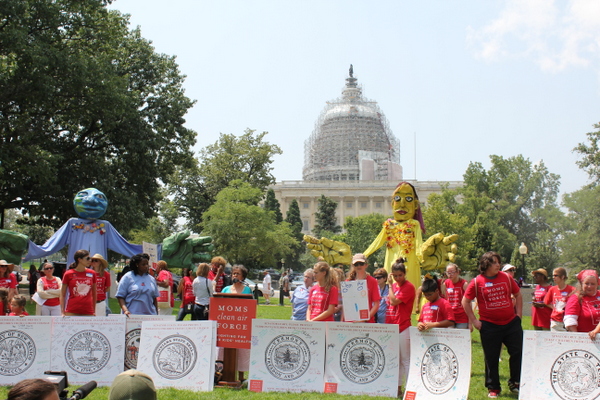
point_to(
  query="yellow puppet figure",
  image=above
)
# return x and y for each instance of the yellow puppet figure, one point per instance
(403, 235)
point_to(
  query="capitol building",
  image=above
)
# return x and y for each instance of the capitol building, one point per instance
(353, 158)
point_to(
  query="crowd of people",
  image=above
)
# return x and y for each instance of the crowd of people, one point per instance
(452, 301)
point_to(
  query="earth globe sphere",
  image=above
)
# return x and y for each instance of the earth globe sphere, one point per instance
(90, 203)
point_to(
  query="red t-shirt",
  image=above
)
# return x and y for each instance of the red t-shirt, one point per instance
(219, 284)
(400, 313)
(48, 285)
(540, 316)
(188, 291)
(558, 298)
(12, 314)
(588, 311)
(454, 294)
(493, 297)
(320, 300)
(166, 275)
(79, 285)
(438, 311)
(102, 286)
(8, 283)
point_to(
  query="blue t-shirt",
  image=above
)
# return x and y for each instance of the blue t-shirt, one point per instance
(246, 290)
(380, 317)
(299, 300)
(139, 292)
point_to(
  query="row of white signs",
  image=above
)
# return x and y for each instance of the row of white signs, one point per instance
(293, 356)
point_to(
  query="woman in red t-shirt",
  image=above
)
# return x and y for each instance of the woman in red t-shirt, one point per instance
(186, 291)
(540, 314)
(323, 295)
(358, 271)
(401, 299)
(556, 299)
(80, 282)
(7, 279)
(100, 265)
(48, 288)
(582, 313)
(453, 290)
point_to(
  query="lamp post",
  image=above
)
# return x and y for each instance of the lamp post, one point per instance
(523, 250)
(281, 282)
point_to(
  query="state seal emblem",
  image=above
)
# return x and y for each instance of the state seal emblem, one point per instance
(17, 352)
(87, 352)
(287, 357)
(362, 360)
(174, 357)
(439, 369)
(575, 375)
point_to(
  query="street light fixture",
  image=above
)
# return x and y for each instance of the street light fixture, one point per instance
(523, 250)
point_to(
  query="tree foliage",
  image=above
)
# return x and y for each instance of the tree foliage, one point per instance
(325, 217)
(84, 102)
(159, 227)
(298, 248)
(248, 158)
(359, 234)
(272, 205)
(591, 154)
(243, 231)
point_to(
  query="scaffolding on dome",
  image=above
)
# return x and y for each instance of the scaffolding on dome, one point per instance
(352, 140)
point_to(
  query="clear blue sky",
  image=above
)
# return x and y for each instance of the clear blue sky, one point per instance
(468, 78)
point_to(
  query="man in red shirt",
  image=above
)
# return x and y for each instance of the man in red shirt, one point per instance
(499, 322)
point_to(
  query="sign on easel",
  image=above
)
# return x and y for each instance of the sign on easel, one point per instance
(287, 356)
(440, 364)
(362, 359)
(24, 348)
(133, 336)
(356, 300)
(180, 355)
(88, 348)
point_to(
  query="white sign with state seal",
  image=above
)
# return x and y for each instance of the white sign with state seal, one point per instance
(179, 355)
(287, 356)
(440, 364)
(88, 348)
(133, 336)
(24, 348)
(362, 359)
(560, 365)
(356, 300)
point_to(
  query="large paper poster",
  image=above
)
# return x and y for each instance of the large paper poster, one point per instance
(287, 356)
(440, 364)
(88, 348)
(560, 365)
(24, 348)
(362, 359)
(133, 336)
(180, 355)
(356, 300)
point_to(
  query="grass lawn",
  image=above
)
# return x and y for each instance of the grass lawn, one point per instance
(477, 390)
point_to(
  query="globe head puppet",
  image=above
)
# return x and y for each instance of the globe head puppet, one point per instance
(90, 203)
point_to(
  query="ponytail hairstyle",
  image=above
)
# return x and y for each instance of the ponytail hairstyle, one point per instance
(430, 284)
(330, 279)
(79, 254)
(398, 265)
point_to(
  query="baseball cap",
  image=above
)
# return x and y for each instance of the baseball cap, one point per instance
(132, 385)
(359, 257)
(507, 267)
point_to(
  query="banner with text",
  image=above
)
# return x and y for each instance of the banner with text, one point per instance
(180, 355)
(234, 320)
(362, 359)
(440, 364)
(287, 356)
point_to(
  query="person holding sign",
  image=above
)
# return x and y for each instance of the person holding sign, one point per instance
(164, 280)
(437, 312)
(498, 322)
(401, 299)
(582, 313)
(323, 296)
(358, 271)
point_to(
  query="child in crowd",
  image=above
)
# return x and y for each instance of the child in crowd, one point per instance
(437, 312)
(4, 310)
(323, 296)
(17, 306)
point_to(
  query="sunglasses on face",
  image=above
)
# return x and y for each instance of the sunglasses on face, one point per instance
(359, 264)
(87, 258)
(378, 276)
(48, 269)
(95, 260)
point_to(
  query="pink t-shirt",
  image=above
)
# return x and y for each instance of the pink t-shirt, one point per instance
(320, 300)
(558, 298)
(454, 294)
(211, 276)
(540, 316)
(400, 313)
(494, 297)
(12, 314)
(588, 311)
(438, 311)
(102, 284)
(166, 275)
(48, 285)
(8, 283)
(188, 291)
(79, 286)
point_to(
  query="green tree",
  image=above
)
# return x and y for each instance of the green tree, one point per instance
(295, 221)
(248, 158)
(84, 102)
(591, 154)
(244, 232)
(159, 227)
(272, 205)
(360, 233)
(325, 217)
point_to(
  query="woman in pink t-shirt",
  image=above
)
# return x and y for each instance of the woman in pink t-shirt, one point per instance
(80, 282)
(323, 296)
(401, 299)
(582, 313)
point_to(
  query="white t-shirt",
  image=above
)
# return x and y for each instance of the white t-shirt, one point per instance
(267, 282)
